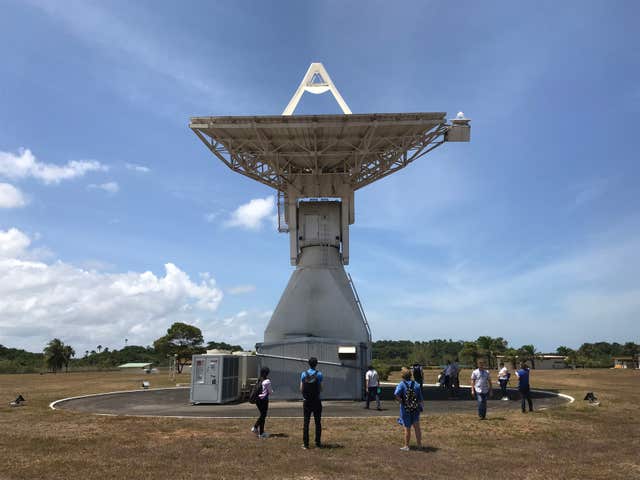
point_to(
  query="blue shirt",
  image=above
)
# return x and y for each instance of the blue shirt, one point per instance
(402, 388)
(523, 378)
(311, 371)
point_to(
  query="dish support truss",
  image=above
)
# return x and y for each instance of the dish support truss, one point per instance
(373, 157)
(323, 156)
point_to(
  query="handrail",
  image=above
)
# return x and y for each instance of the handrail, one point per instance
(359, 303)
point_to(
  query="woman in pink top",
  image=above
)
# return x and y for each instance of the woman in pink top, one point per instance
(263, 403)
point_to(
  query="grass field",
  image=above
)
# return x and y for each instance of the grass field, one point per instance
(570, 442)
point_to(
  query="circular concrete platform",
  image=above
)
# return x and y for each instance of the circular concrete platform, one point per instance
(174, 402)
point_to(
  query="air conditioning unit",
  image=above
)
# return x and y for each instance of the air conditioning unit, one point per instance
(220, 378)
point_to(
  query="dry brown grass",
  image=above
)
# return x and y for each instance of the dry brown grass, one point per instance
(572, 442)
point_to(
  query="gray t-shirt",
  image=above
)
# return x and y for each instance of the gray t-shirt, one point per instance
(372, 378)
(481, 380)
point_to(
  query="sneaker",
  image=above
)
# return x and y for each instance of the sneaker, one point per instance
(379, 409)
(404, 449)
(318, 445)
(505, 398)
(254, 429)
(305, 447)
(263, 435)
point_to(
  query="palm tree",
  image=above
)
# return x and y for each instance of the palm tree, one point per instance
(99, 348)
(529, 352)
(490, 347)
(54, 355)
(564, 351)
(68, 352)
(511, 357)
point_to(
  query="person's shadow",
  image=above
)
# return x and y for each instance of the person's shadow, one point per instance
(278, 435)
(330, 446)
(426, 449)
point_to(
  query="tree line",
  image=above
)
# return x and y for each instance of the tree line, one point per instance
(390, 355)
(182, 341)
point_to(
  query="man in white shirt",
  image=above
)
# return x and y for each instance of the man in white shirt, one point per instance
(372, 385)
(503, 379)
(481, 388)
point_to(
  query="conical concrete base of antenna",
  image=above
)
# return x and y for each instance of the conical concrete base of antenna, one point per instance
(317, 314)
(318, 301)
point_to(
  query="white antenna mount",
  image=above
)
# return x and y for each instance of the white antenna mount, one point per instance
(316, 81)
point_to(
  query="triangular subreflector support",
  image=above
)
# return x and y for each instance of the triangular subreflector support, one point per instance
(317, 81)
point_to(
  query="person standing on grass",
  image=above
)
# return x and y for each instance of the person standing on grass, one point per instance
(447, 376)
(455, 381)
(417, 373)
(310, 387)
(372, 385)
(409, 394)
(262, 402)
(523, 386)
(503, 379)
(451, 374)
(481, 388)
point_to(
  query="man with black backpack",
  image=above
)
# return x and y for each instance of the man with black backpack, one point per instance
(310, 387)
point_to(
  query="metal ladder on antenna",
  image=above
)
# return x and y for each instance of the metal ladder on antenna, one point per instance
(359, 303)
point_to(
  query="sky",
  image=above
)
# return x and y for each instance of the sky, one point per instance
(115, 220)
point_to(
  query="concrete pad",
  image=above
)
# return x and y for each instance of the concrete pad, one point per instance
(174, 402)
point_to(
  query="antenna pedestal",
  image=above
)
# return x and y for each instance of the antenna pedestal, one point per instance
(317, 314)
(319, 311)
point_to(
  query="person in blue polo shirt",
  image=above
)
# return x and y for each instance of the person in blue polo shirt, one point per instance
(524, 387)
(310, 387)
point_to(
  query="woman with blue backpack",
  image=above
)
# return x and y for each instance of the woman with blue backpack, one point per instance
(409, 394)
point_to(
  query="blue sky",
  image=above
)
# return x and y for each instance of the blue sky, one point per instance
(115, 221)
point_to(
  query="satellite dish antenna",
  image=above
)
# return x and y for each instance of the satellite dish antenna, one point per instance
(316, 81)
(316, 163)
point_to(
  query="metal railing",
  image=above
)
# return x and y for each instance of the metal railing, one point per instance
(359, 303)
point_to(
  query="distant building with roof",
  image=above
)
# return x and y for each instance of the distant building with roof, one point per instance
(626, 362)
(541, 362)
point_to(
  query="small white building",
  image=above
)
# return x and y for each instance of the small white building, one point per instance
(625, 362)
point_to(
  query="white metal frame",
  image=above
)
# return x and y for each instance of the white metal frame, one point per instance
(316, 81)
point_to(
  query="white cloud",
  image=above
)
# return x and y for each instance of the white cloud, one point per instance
(241, 328)
(11, 197)
(137, 168)
(39, 301)
(26, 165)
(252, 215)
(13, 243)
(109, 187)
(240, 289)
